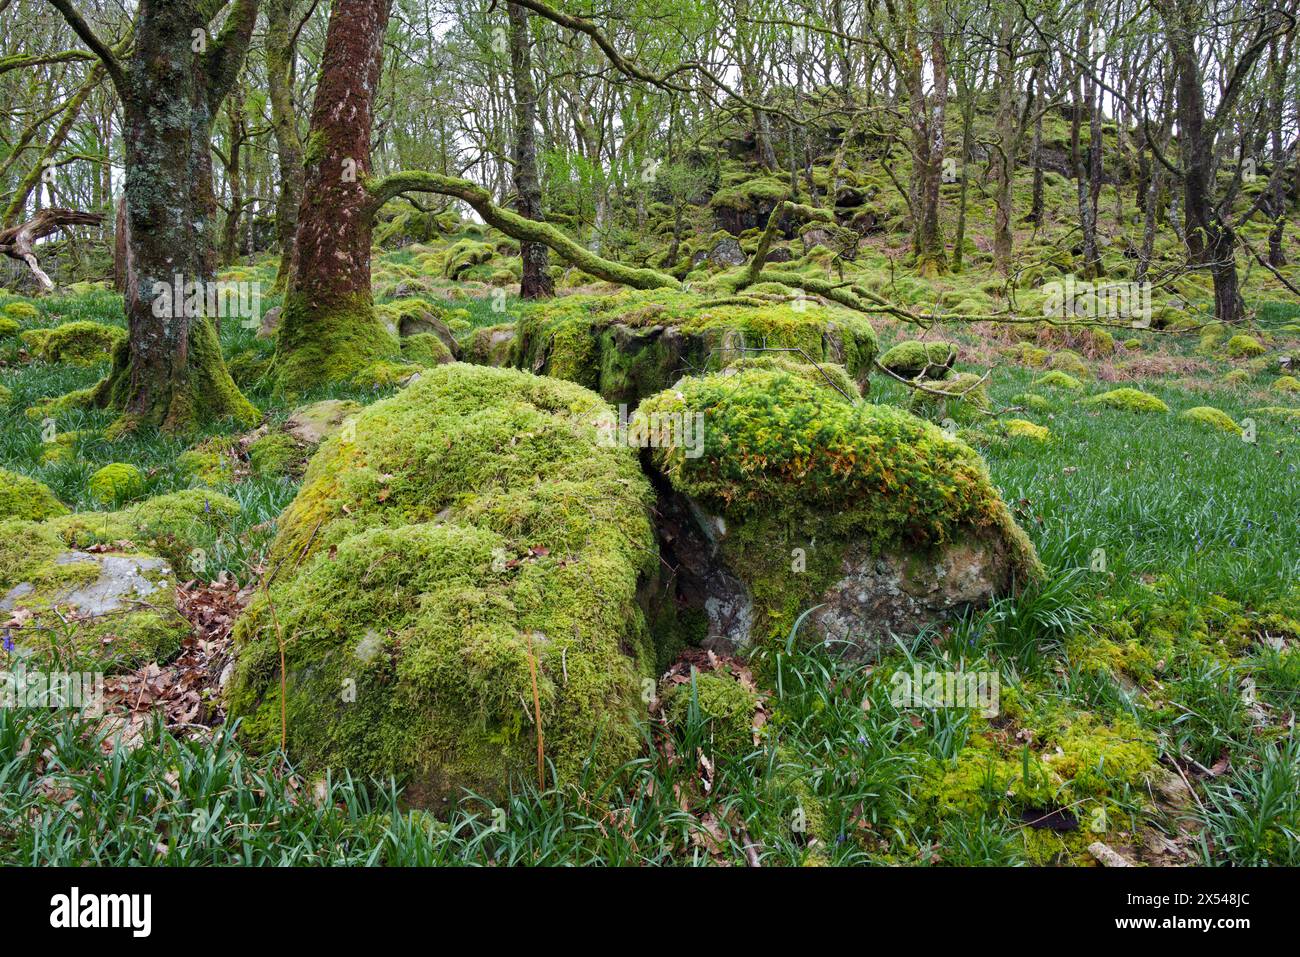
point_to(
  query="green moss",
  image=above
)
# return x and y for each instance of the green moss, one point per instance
(912, 358)
(1243, 347)
(723, 705)
(1059, 380)
(1034, 402)
(8, 327)
(212, 461)
(115, 482)
(82, 343)
(23, 497)
(750, 193)
(1132, 345)
(1128, 400)
(276, 454)
(1022, 429)
(964, 398)
(146, 628)
(1071, 363)
(22, 311)
(1286, 383)
(1027, 355)
(322, 345)
(1236, 376)
(632, 344)
(464, 254)
(781, 454)
(426, 349)
(460, 520)
(384, 374)
(1215, 418)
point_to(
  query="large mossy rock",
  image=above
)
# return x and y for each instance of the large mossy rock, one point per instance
(800, 497)
(634, 344)
(459, 528)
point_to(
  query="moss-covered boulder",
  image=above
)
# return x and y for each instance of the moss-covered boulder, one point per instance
(82, 343)
(1128, 400)
(111, 608)
(24, 497)
(914, 359)
(21, 311)
(798, 498)
(8, 327)
(426, 349)
(961, 397)
(214, 461)
(464, 535)
(491, 345)
(1285, 383)
(633, 344)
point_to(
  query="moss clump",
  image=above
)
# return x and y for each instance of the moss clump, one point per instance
(426, 349)
(8, 327)
(23, 497)
(1034, 402)
(1132, 345)
(276, 454)
(1059, 380)
(115, 482)
(751, 193)
(964, 398)
(722, 704)
(1072, 364)
(212, 461)
(1286, 383)
(22, 312)
(1243, 347)
(1215, 418)
(463, 255)
(490, 345)
(633, 344)
(1236, 376)
(1023, 429)
(1128, 400)
(384, 374)
(913, 359)
(82, 343)
(463, 526)
(1027, 355)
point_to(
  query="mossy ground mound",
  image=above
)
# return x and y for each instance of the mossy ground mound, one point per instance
(459, 533)
(797, 489)
(910, 359)
(23, 497)
(633, 344)
(81, 343)
(1128, 400)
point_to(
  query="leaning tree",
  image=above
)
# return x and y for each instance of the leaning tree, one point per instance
(171, 83)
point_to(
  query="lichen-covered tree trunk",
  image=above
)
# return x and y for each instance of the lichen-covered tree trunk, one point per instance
(329, 329)
(536, 281)
(284, 124)
(929, 114)
(171, 373)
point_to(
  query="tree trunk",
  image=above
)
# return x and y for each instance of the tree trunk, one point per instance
(329, 329)
(230, 230)
(1005, 151)
(536, 281)
(280, 70)
(170, 373)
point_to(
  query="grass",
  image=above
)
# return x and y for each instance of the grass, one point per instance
(1173, 553)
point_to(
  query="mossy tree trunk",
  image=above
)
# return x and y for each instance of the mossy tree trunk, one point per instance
(171, 373)
(536, 281)
(280, 57)
(329, 329)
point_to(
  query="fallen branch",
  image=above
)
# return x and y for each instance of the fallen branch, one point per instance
(18, 242)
